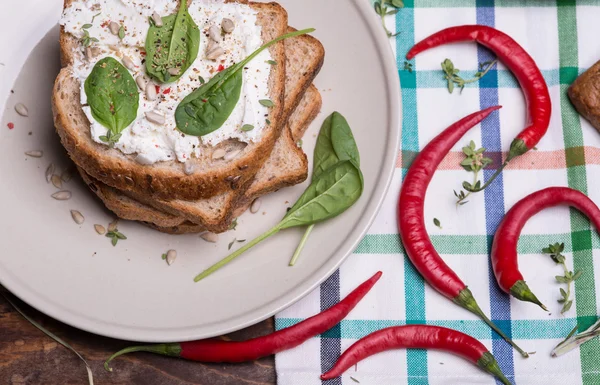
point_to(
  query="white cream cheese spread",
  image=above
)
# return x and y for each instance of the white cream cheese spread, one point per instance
(152, 142)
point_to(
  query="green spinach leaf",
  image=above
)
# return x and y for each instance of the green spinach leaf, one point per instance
(174, 46)
(208, 107)
(112, 96)
(329, 195)
(334, 144)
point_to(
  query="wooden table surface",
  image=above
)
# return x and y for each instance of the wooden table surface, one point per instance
(28, 356)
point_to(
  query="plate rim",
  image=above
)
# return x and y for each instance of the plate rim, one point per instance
(293, 294)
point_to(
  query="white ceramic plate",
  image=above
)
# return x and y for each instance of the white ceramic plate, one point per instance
(74, 275)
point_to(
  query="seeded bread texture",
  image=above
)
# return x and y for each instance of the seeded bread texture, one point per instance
(283, 167)
(287, 164)
(167, 180)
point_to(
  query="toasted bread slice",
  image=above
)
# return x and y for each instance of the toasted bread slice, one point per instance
(300, 120)
(217, 213)
(127, 208)
(167, 180)
(295, 164)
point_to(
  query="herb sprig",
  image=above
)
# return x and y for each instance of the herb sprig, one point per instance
(115, 236)
(110, 138)
(474, 162)
(408, 67)
(575, 340)
(87, 40)
(387, 8)
(451, 74)
(568, 278)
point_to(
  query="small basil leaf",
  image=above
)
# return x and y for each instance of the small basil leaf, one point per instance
(195, 117)
(112, 95)
(329, 195)
(174, 45)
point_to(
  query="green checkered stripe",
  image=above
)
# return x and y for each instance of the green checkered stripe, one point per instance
(582, 242)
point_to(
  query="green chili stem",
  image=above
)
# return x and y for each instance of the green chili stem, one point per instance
(237, 253)
(466, 300)
(172, 350)
(301, 245)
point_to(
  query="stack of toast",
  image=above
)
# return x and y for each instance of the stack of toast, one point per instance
(166, 195)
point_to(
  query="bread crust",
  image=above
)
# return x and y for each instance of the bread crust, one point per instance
(167, 180)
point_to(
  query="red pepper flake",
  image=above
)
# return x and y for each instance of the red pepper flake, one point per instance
(157, 89)
(105, 24)
(167, 91)
(204, 100)
(156, 145)
(10, 125)
(221, 68)
(143, 53)
(183, 156)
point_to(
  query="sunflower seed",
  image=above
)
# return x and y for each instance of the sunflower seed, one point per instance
(188, 168)
(141, 82)
(214, 33)
(211, 45)
(210, 237)
(21, 109)
(100, 229)
(113, 47)
(62, 195)
(77, 217)
(114, 28)
(171, 256)
(67, 175)
(143, 159)
(127, 62)
(56, 181)
(227, 25)
(215, 53)
(255, 206)
(49, 172)
(174, 71)
(155, 117)
(157, 20)
(218, 154)
(232, 155)
(91, 52)
(35, 154)
(151, 93)
(112, 226)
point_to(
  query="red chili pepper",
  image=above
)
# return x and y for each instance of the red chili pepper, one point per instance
(10, 125)
(157, 87)
(167, 91)
(411, 221)
(528, 74)
(221, 68)
(418, 337)
(216, 350)
(504, 247)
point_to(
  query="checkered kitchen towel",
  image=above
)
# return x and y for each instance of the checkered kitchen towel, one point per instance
(562, 36)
